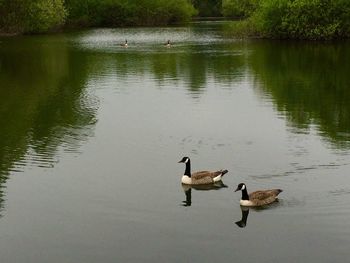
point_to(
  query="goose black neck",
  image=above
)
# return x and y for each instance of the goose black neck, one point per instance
(188, 169)
(245, 195)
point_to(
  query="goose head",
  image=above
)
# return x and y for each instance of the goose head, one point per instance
(241, 187)
(184, 160)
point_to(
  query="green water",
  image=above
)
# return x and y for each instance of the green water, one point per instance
(91, 133)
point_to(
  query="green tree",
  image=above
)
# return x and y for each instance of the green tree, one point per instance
(300, 19)
(128, 13)
(38, 16)
(31, 16)
(44, 15)
(208, 8)
(239, 8)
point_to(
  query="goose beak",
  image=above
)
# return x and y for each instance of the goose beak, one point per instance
(237, 189)
(180, 161)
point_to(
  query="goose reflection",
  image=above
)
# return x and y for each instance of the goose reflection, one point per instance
(245, 212)
(188, 190)
(243, 222)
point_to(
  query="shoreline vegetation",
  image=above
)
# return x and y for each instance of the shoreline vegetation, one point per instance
(44, 16)
(290, 19)
(278, 19)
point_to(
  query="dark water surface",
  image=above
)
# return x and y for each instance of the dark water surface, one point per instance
(91, 132)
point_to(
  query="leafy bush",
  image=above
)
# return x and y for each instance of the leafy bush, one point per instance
(239, 8)
(302, 19)
(31, 16)
(242, 29)
(316, 19)
(129, 12)
(268, 19)
(44, 15)
(208, 8)
(37, 16)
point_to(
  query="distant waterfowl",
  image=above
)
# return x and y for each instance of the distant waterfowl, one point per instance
(168, 44)
(201, 177)
(257, 198)
(125, 44)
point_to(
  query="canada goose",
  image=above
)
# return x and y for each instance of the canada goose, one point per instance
(202, 177)
(257, 198)
(168, 44)
(125, 44)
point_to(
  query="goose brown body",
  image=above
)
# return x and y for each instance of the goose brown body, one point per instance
(206, 177)
(257, 198)
(200, 177)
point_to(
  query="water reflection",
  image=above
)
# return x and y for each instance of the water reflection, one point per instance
(199, 55)
(245, 212)
(188, 190)
(308, 83)
(42, 80)
(243, 222)
(43, 101)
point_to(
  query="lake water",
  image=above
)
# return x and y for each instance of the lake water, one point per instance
(91, 133)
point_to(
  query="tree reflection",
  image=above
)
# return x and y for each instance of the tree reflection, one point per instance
(42, 101)
(309, 84)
